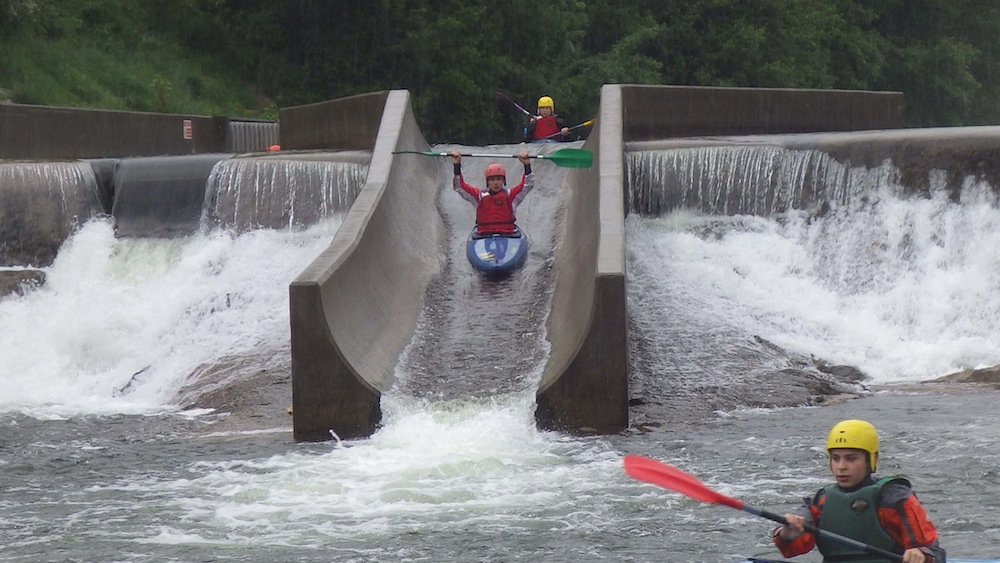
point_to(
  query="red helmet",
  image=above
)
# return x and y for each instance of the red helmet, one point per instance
(496, 170)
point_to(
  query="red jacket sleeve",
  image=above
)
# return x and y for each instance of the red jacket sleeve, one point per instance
(466, 190)
(909, 524)
(802, 544)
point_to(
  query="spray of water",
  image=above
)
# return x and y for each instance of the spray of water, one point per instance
(121, 323)
(903, 288)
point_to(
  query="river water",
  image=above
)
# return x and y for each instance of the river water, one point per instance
(98, 463)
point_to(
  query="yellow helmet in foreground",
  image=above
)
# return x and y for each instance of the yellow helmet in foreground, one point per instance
(546, 102)
(855, 434)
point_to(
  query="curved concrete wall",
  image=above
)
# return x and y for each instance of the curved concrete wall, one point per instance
(355, 308)
(584, 387)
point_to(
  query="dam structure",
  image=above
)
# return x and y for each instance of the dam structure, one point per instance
(380, 298)
(356, 308)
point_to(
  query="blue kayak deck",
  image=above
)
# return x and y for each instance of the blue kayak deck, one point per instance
(497, 253)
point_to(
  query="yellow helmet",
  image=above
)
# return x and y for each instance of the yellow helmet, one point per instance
(546, 102)
(855, 434)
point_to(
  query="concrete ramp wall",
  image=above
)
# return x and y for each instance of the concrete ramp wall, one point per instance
(355, 308)
(584, 387)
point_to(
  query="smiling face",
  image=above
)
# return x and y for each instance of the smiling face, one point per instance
(849, 466)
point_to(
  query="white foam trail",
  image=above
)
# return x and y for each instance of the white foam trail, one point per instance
(433, 468)
(154, 309)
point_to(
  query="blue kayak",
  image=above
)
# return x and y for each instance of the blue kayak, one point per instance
(497, 253)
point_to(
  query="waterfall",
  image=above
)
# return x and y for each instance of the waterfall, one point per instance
(41, 204)
(758, 180)
(252, 193)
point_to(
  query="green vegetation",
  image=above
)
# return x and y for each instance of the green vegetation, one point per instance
(120, 54)
(246, 58)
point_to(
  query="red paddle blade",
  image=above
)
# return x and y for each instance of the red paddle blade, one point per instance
(669, 477)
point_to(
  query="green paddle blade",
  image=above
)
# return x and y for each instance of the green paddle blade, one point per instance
(570, 158)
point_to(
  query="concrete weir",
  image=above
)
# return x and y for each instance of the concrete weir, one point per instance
(355, 308)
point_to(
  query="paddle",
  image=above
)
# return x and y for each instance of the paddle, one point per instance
(569, 158)
(584, 124)
(669, 477)
(507, 98)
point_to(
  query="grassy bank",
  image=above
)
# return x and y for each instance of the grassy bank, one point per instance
(110, 55)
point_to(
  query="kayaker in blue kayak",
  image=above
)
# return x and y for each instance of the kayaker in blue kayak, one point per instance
(495, 205)
(884, 513)
(547, 125)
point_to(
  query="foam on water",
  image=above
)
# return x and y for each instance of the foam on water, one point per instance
(435, 468)
(903, 288)
(121, 323)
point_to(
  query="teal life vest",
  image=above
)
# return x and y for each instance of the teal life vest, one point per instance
(855, 515)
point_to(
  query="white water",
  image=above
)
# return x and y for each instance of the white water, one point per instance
(904, 289)
(114, 307)
(440, 470)
(111, 308)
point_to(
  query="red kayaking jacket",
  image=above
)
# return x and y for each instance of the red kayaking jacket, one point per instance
(899, 513)
(546, 127)
(495, 212)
